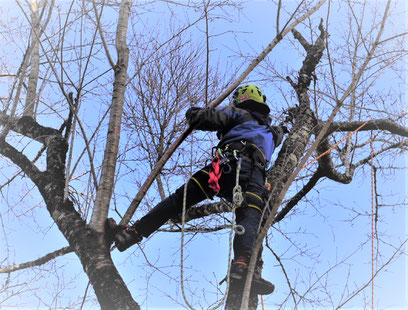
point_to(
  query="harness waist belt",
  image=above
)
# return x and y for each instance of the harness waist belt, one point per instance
(248, 152)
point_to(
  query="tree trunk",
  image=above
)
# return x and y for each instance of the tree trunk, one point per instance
(89, 245)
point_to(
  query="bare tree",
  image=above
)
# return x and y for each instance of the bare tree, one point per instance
(357, 98)
(84, 68)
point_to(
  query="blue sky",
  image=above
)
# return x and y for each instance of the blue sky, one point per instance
(325, 228)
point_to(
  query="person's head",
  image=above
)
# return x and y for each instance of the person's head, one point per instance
(250, 97)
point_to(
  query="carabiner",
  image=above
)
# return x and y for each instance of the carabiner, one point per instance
(226, 168)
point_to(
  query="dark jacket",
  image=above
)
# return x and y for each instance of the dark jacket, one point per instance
(235, 124)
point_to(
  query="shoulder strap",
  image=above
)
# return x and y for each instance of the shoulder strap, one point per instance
(262, 123)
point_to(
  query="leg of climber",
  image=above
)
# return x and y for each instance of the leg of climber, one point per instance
(197, 190)
(243, 245)
(249, 216)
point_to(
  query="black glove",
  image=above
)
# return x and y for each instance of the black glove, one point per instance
(278, 132)
(190, 115)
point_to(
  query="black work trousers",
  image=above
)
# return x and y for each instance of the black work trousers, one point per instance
(248, 215)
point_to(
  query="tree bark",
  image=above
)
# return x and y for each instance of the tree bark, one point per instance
(105, 188)
(35, 60)
(89, 245)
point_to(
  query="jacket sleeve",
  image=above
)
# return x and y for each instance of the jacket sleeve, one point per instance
(213, 119)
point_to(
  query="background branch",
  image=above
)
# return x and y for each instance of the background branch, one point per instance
(38, 262)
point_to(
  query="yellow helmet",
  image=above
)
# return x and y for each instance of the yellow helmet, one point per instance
(250, 97)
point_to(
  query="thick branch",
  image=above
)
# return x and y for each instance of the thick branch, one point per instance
(204, 210)
(37, 262)
(48, 182)
(326, 162)
(28, 127)
(302, 193)
(328, 168)
(298, 36)
(21, 161)
(314, 54)
(35, 60)
(379, 124)
(105, 188)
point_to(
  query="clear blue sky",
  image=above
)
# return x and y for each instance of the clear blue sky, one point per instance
(325, 228)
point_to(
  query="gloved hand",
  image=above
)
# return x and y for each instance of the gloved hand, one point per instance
(278, 132)
(190, 115)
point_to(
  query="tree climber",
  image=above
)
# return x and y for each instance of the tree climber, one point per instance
(246, 139)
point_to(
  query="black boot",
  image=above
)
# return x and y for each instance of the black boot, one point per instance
(238, 273)
(124, 236)
(111, 229)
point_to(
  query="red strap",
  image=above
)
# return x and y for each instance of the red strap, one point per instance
(215, 174)
(240, 263)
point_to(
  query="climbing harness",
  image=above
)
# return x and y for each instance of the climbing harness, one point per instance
(219, 164)
(214, 174)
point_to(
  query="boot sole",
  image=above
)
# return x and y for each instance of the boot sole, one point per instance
(119, 241)
(263, 288)
(258, 287)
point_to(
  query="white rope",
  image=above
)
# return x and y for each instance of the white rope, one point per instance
(237, 199)
(183, 222)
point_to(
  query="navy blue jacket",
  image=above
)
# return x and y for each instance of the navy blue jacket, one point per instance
(235, 124)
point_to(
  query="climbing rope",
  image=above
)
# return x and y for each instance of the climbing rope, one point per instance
(237, 199)
(183, 222)
(372, 221)
(372, 198)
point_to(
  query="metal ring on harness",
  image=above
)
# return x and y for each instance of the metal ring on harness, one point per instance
(226, 168)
